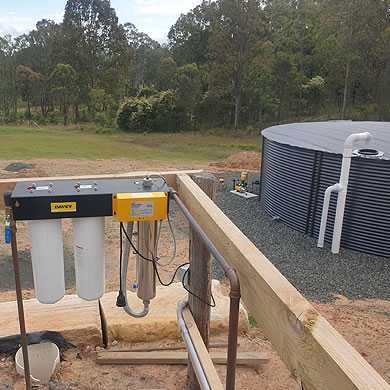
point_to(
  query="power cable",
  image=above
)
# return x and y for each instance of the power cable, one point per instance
(155, 263)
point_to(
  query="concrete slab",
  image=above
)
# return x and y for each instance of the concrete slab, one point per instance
(246, 195)
(77, 320)
(161, 323)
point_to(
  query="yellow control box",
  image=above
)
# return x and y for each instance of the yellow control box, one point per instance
(138, 207)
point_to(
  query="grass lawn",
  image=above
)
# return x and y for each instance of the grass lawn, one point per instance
(71, 143)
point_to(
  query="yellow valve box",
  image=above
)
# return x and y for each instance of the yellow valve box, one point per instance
(139, 207)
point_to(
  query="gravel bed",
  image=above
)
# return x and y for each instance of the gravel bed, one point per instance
(316, 273)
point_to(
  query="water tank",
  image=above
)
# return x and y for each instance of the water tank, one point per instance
(301, 160)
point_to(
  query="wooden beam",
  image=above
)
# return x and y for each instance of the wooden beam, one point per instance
(180, 358)
(77, 320)
(166, 348)
(200, 277)
(316, 354)
(9, 184)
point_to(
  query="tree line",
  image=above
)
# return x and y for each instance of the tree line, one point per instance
(227, 63)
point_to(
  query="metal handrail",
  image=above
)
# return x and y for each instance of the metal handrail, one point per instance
(196, 363)
(235, 294)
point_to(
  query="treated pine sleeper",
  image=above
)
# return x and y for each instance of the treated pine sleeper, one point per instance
(244, 359)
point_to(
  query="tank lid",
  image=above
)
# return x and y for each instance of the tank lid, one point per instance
(368, 153)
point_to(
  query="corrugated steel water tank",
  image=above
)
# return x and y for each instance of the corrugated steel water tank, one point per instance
(301, 160)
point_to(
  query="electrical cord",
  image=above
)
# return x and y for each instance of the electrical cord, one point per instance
(121, 300)
(173, 256)
(153, 260)
(173, 278)
(213, 304)
(123, 230)
(155, 263)
(120, 254)
(159, 176)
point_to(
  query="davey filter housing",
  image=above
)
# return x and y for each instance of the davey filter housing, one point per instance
(87, 203)
(88, 239)
(47, 256)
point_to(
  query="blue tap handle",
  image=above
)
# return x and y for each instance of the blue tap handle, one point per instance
(8, 234)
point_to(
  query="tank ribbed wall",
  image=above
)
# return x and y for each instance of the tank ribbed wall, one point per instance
(294, 181)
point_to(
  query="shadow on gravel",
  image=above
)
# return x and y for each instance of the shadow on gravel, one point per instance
(316, 273)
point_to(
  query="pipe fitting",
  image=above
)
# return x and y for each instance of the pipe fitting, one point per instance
(235, 290)
(352, 140)
(137, 314)
(334, 188)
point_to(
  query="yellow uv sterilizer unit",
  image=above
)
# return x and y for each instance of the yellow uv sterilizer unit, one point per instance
(138, 207)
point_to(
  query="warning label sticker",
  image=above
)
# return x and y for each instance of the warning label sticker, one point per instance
(63, 207)
(142, 209)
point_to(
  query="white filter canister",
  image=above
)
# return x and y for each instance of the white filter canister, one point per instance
(88, 241)
(47, 255)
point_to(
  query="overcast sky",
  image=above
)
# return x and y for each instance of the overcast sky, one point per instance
(154, 17)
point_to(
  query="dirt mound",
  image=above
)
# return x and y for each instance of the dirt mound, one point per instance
(244, 160)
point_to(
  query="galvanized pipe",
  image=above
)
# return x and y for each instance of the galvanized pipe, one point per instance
(18, 288)
(196, 364)
(235, 294)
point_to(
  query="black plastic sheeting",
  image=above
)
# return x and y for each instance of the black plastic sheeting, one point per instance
(293, 184)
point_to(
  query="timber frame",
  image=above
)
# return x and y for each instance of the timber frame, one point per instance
(315, 353)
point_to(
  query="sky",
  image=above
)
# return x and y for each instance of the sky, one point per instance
(154, 17)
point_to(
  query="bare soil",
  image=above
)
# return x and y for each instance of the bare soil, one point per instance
(249, 161)
(365, 324)
(63, 167)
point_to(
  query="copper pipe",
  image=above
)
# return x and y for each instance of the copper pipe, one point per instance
(234, 316)
(18, 289)
(235, 294)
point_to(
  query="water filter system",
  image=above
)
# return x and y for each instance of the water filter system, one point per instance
(141, 203)
(139, 206)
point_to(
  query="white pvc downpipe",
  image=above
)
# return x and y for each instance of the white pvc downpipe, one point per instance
(342, 189)
(325, 210)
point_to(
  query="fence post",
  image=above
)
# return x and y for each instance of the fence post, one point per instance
(200, 277)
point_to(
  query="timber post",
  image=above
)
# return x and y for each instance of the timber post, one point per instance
(200, 277)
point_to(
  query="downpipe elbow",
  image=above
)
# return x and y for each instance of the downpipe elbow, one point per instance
(334, 188)
(350, 142)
